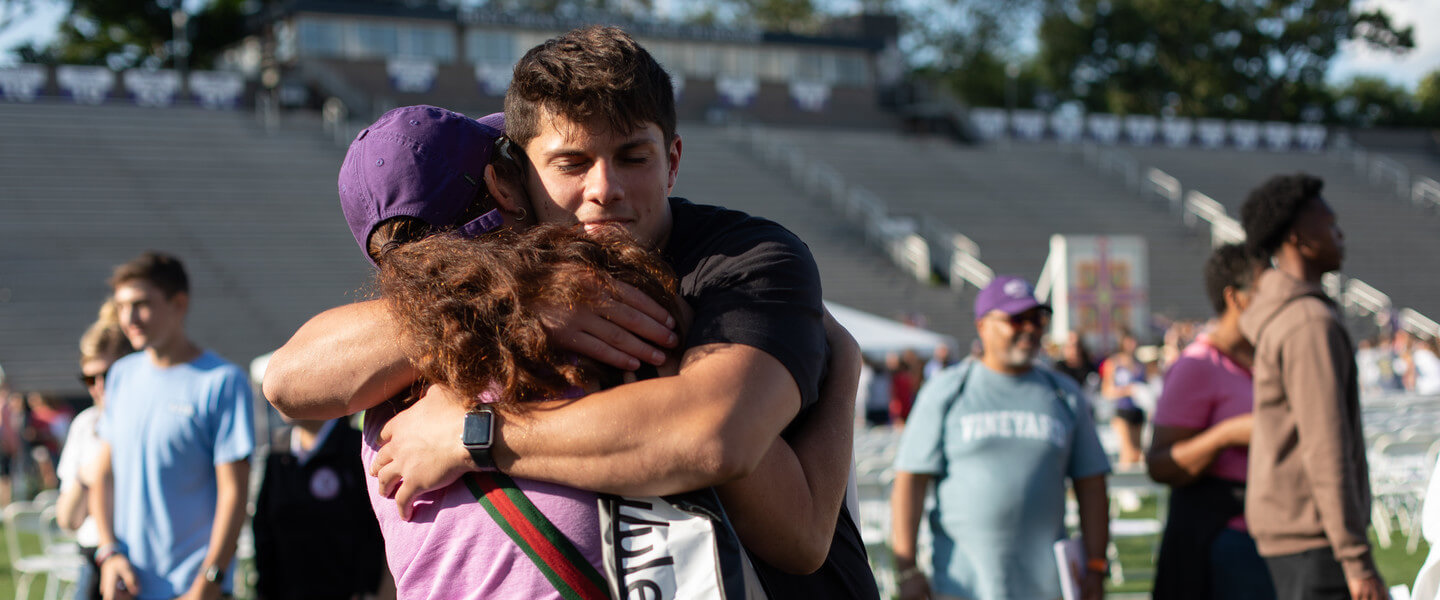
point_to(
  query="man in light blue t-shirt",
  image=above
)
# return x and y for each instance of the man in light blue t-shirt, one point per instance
(1000, 436)
(177, 433)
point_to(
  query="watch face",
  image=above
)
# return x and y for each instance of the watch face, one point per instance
(478, 428)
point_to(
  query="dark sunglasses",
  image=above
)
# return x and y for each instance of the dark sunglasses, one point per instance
(89, 380)
(1039, 318)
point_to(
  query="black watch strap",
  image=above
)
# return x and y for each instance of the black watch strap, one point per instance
(478, 436)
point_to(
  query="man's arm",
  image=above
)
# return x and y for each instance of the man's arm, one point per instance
(114, 568)
(340, 362)
(232, 482)
(907, 503)
(1178, 455)
(786, 510)
(707, 426)
(1314, 356)
(347, 359)
(1090, 494)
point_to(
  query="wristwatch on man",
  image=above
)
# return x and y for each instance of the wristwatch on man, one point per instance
(214, 574)
(477, 436)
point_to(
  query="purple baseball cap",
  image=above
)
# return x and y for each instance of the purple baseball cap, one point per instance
(1008, 294)
(419, 161)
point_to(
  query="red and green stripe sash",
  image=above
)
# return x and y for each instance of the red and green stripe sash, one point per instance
(556, 557)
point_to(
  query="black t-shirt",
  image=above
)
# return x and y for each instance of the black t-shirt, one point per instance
(752, 282)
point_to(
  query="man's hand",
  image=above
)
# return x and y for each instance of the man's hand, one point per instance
(615, 330)
(1369, 588)
(114, 571)
(420, 448)
(914, 586)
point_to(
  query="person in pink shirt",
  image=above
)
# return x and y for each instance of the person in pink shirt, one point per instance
(1202, 430)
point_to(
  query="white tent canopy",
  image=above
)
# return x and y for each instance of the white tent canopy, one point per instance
(879, 336)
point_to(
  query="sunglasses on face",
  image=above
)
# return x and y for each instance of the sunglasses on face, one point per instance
(89, 380)
(1039, 319)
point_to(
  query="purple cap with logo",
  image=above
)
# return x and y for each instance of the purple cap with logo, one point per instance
(419, 161)
(1008, 294)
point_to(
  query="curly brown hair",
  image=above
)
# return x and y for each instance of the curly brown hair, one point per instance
(467, 306)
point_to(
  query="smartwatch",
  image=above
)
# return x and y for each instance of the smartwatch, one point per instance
(215, 574)
(477, 436)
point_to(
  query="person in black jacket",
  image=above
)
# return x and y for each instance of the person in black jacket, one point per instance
(315, 535)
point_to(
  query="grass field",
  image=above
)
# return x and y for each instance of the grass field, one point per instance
(1136, 557)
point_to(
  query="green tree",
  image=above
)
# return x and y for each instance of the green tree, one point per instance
(1368, 101)
(1263, 59)
(1427, 100)
(129, 33)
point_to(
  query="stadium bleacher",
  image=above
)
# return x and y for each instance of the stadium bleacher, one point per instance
(83, 188)
(1010, 198)
(1385, 238)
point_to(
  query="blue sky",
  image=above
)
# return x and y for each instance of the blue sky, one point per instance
(1354, 59)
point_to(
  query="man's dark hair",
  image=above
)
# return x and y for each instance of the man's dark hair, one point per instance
(158, 269)
(587, 74)
(1271, 210)
(1231, 265)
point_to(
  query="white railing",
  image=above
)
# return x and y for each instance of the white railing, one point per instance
(1223, 230)
(920, 246)
(1425, 193)
(1363, 297)
(1382, 168)
(1417, 323)
(1355, 296)
(1164, 185)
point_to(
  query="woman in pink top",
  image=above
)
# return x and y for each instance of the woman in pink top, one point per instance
(1202, 429)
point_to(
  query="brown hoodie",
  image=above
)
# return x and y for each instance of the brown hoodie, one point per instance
(1309, 484)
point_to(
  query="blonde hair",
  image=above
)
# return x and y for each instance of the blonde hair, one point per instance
(104, 338)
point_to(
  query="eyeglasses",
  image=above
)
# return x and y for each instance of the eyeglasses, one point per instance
(1039, 318)
(89, 380)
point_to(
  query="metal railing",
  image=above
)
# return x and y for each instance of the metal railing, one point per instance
(1425, 193)
(1201, 208)
(1163, 185)
(1354, 295)
(919, 245)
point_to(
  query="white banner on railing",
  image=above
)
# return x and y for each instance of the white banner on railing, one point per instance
(1245, 134)
(1177, 132)
(1105, 128)
(810, 96)
(86, 85)
(1141, 129)
(1069, 126)
(152, 88)
(737, 91)
(22, 83)
(1028, 124)
(1211, 133)
(494, 78)
(991, 123)
(412, 75)
(217, 89)
(1310, 137)
(1279, 135)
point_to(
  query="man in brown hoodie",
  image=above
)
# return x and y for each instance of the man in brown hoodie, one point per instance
(1308, 502)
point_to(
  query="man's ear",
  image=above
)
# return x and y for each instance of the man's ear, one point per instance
(674, 156)
(181, 300)
(509, 195)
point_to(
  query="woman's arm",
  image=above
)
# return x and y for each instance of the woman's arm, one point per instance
(1178, 455)
(786, 510)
